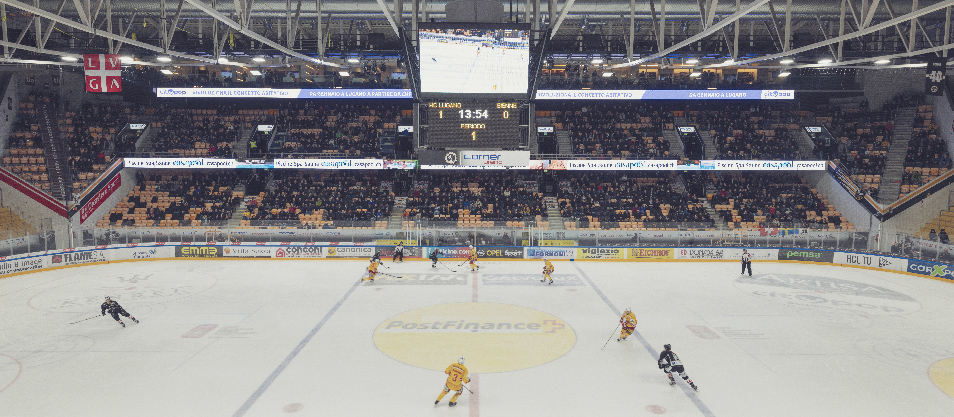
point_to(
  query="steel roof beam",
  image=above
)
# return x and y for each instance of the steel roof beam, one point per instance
(248, 32)
(37, 12)
(710, 30)
(874, 28)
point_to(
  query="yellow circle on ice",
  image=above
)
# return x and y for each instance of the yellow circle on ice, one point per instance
(492, 337)
(942, 373)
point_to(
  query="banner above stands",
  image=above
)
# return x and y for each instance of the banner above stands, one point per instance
(313, 93)
(338, 93)
(665, 95)
(555, 164)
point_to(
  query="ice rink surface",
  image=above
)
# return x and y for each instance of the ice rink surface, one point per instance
(457, 68)
(304, 338)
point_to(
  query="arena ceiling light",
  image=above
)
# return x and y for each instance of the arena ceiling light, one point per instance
(696, 74)
(127, 59)
(784, 74)
(825, 61)
(882, 61)
(167, 72)
(692, 61)
(70, 58)
(344, 73)
(258, 59)
(223, 60)
(608, 74)
(164, 59)
(254, 72)
(354, 60)
(787, 61)
(597, 61)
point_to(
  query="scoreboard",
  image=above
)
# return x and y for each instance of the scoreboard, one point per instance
(474, 124)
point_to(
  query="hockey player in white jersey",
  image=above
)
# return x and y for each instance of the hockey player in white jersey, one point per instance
(669, 362)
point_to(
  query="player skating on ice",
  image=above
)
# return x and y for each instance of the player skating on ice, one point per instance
(398, 253)
(433, 257)
(377, 258)
(547, 270)
(669, 362)
(456, 378)
(372, 270)
(116, 310)
(628, 320)
(746, 261)
(472, 258)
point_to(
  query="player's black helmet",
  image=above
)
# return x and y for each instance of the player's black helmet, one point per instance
(667, 346)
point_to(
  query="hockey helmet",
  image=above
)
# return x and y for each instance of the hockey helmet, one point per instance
(460, 360)
(628, 310)
(107, 298)
(667, 346)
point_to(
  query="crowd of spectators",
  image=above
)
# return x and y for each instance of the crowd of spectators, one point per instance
(352, 128)
(199, 132)
(493, 195)
(627, 129)
(770, 200)
(862, 136)
(611, 197)
(176, 198)
(324, 199)
(748, 131)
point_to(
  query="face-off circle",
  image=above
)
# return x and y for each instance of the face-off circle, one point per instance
(129, 290)
(493, 337)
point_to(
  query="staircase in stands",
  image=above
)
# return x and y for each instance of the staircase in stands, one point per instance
(890, 187)
(554, 218)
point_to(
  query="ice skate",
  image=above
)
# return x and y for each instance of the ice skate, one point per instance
(451, 404)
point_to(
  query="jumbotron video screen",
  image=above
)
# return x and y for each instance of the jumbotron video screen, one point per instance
(474, 61)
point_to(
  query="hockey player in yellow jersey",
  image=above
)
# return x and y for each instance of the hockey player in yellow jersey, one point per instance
(473, 259)
(628, 320)
(547, 270)
(456, 378)
(372, 271)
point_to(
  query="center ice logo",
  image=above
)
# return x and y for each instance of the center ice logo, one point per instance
(493, 337)
(824, 292)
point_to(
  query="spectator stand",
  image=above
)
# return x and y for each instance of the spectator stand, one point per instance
(91, 135)
(323, 199)
(927, 156)
(613, 130)
(755, 131)
(771, 200)
(25, 156)
(484, 200)
(340, 129)
(177, 199)
(200, 132)
(633, 201)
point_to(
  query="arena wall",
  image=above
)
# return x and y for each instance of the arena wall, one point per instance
(41, 261)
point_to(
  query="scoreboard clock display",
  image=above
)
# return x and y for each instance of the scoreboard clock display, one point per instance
(473, 124)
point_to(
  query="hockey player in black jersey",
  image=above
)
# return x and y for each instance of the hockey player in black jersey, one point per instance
(433, 257)
(669, 362)
(377, 258)
(116, 310)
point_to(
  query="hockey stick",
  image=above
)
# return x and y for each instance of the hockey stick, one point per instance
(84, 320)
(445, 266)
(468, 389)
(395, 276)
(611, 337)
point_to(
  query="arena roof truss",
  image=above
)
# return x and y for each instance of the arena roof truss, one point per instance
(625, 33)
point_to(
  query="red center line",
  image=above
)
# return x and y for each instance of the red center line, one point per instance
(475, 397)
(473, 297)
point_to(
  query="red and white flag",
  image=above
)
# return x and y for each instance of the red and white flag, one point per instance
(103, 73)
